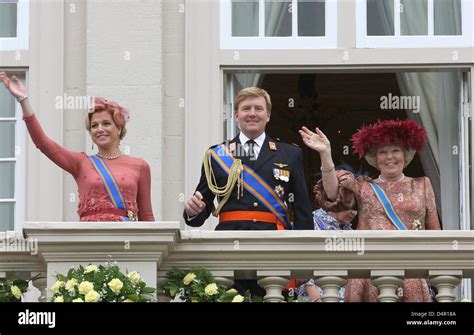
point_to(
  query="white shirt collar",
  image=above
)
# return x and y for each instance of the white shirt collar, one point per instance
(259, 140)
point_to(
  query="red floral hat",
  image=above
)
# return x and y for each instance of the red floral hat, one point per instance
(406, 133)
(123, 115)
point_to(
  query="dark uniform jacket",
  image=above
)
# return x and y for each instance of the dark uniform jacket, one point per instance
(273, 155)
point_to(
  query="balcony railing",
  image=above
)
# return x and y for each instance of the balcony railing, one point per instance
(270, 257)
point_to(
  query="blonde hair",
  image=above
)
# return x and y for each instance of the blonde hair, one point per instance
(252, 92)
(114, 113)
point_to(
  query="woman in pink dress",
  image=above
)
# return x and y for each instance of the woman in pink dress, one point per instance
(389, 146)
(111, 185)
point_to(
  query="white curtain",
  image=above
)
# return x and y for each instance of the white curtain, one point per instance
(447, 17)
(244, 17)
(414, 11)
(278, 18)
(8, 18)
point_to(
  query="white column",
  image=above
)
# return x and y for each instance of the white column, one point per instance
(331, 282)
(273, 282)
(387, 282)
(445, 282)
(40, 282)
(224, 278)
(161, 296)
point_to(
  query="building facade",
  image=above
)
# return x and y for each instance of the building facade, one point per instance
(177, 65)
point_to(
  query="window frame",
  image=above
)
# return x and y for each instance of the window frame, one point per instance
(416, 41)
(21, 41)
(227, 41)
(230, 128)
(20, 164)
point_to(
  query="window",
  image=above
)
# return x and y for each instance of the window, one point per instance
(14, 24)
(278, 24)
(11, 163)
(414, 23)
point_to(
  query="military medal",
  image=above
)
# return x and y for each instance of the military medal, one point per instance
(280, 191)
(280, 165)
(416, 225)
(280, 174)
(131, 216)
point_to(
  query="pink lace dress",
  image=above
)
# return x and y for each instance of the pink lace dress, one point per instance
(413, 199)
(132, 175)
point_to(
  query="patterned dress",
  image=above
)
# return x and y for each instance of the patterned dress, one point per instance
(132, 175)
(413, 199)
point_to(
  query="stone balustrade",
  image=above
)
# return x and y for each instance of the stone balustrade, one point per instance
(271, 258)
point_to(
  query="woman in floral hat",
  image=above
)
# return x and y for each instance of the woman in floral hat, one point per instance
(391, 201)
(112, 186)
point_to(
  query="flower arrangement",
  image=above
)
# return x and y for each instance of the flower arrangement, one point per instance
(12, 288)
(100, 284)
(198, 285)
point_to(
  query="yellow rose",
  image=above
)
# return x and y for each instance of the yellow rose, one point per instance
(70, 284)
(115, 285)
(211, 289)
(189, 278)
(59, 299)
(85, 287)
(78, 300)
(56, 286)
(91, 268)
(134, 277)
(92, 296)
(238, 298)
(16, 291)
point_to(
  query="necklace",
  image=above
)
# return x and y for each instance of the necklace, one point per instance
(109, 157)
(383, 181)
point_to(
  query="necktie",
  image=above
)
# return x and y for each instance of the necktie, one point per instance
(251, 152)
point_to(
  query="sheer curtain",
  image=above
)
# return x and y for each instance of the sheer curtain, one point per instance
(8, 18)
(278, 18)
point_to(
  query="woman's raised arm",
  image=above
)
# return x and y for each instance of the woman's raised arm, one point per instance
(320, 143)
(66, 159)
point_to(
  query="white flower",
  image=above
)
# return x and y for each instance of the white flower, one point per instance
(78, 300)
(91, 268)
(85, 287)
(59, 299)
(128, 300)
(92, 296)
(238, 298)
(134, 277)
(115, 285)
(211, 289)
(232, 291)
(16, 291)
(71, 283)
(189, 278)
(56, 286)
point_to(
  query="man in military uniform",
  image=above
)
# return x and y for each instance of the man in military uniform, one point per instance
(258, 181)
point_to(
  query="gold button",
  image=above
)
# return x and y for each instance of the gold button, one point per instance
(254, 220)
(255, 204)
